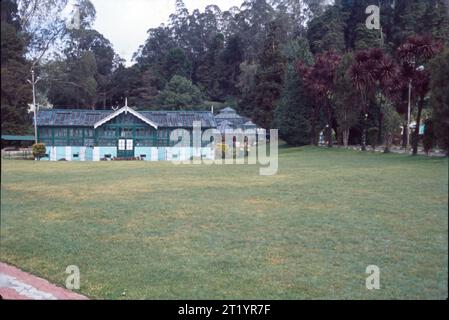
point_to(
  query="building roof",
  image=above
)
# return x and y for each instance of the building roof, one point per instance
(228, 110)
(88, 118)
(228, 118)
(17, 138)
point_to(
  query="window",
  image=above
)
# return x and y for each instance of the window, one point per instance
(126, 133)
(121, 144)
(60, 142)
(88, 142)
(129, 144)
(107, 142)
(144, 142)
(60, 132)
(75, 132)
(47, 142)
(45, 132)
(76, 142)
(88, 132)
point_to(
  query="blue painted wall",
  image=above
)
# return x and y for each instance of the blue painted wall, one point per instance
(161, 153)
(75, 150)
(89, 154)
(108, 150)
(139, 151)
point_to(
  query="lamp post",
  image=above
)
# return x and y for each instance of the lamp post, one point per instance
(33, 83)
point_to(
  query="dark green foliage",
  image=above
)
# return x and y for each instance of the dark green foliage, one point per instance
(440, 98)
(179, 94)
(390, 125)
(176, 63)
(269, 79)
(292, 116)
(429, 136)
(15, 70)
(373, 137)
(326, 32)
(346, 98)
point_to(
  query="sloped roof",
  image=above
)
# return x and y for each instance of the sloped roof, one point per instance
(228, 110)
(125, 109)
(88, 118)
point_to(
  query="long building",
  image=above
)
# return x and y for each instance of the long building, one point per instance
(93, 135)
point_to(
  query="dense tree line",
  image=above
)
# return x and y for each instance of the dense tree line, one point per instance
(304, 67)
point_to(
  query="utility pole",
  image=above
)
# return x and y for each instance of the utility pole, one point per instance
(33, 84)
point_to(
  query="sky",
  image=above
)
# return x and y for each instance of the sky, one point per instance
(125, 22)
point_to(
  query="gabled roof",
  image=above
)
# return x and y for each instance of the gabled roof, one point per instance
(88, 118)
(228, 110)
(125, 110)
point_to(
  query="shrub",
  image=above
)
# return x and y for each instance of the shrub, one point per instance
(373, 137)
(39, 150)
(221, 149)
(391, 125)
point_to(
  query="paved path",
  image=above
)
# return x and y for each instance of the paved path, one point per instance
(18, 285)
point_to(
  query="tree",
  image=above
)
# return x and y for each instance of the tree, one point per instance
(269, 79)
(231, 58)
(327, 31)
(15, 91)
(210, 72)
(429, 136)
(391, 125)
(292, 115)
(176, 63)
(72, 82)
(414, 53)
(39, 150)
(179, 94)
(346, 98)
(439, 68)
(319, 81)
(371, 73)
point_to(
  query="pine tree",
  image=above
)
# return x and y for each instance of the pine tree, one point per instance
(15, 91)
(269, 79)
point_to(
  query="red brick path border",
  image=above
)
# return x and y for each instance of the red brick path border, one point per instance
(36, 283)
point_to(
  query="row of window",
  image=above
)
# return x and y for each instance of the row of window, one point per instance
(107, 136)
(101, 132)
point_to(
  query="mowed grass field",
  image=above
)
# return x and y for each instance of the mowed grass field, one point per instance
(140, 230)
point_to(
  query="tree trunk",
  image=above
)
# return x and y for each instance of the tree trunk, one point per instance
(404, 136)
(313, 134)
(330, 142)
(418, 122)
(364, 132)
(346, 137)
(388, 142)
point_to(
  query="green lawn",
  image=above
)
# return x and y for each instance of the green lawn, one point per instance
(161, 231)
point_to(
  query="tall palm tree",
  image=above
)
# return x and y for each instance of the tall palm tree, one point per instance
(415, 52)
(371, 73)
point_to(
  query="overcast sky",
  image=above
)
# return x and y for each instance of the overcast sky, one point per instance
(125, 22)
